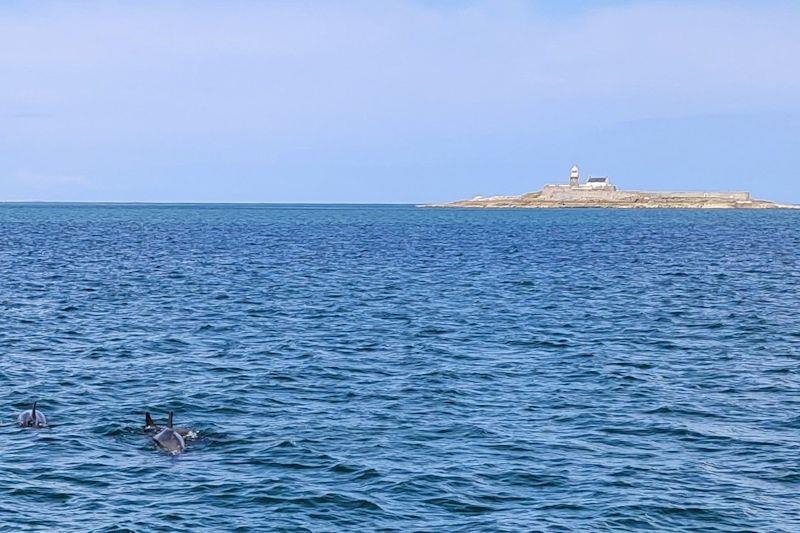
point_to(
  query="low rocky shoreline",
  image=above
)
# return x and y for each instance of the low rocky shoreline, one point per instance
(634, 200)
(599, 192)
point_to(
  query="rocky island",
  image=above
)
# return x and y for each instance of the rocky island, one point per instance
(599, 192)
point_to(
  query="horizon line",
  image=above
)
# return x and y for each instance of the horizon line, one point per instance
(184, 202)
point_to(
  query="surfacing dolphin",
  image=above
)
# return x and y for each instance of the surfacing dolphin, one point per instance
(170, 440)
(151, 428)
(32, 418)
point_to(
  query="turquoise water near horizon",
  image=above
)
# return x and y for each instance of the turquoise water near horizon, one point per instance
(393, 368)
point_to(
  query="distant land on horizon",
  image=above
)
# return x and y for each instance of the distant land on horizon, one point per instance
(598, 191)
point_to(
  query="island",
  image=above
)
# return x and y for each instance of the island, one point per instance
(599, 192)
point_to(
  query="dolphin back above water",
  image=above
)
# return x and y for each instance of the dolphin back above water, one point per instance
(151, 428)
(32, 418)
(149, 425)
(168, 439)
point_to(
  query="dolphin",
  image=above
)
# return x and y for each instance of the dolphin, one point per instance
(151, 428)
(168, 439)
(32, 418)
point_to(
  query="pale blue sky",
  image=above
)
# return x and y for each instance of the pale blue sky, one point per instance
(394, 101)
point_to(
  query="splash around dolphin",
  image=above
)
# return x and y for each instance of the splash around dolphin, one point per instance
(32, 418)
(168, 439)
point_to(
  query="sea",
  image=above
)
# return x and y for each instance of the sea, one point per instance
(393, 368)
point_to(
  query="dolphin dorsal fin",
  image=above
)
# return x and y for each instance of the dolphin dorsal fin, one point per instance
(148, 420)
(169, 420)
(33, 412)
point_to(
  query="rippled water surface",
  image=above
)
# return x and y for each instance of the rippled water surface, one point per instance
(363, 368)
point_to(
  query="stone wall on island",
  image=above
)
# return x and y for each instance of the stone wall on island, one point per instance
(562, 193)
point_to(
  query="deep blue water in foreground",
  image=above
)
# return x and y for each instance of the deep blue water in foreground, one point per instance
(390, 368)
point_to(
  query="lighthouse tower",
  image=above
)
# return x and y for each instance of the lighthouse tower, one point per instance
(573, 176)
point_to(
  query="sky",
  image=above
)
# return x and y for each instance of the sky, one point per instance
(394, 100)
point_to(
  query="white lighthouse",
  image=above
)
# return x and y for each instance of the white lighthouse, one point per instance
(574, 175)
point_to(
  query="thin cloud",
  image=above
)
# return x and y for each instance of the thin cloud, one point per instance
(30, 115)
(41, 181)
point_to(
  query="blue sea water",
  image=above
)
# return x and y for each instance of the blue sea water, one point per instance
(357, 368)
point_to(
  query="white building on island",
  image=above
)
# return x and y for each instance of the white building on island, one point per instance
(593, 188)
(591, 182)
(598, 183)
(574, 176)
